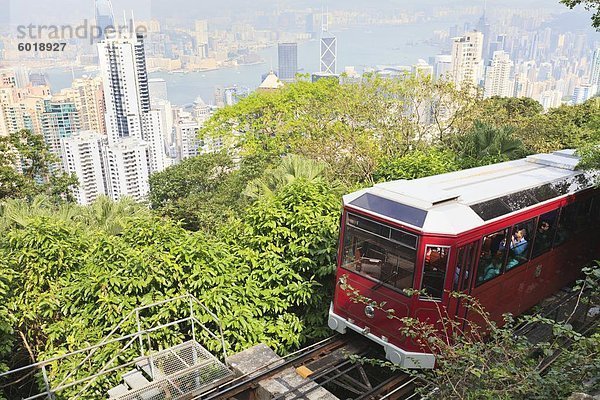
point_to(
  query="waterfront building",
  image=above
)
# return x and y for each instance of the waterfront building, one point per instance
(287, 54)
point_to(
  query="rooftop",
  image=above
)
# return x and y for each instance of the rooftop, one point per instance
(462, 200)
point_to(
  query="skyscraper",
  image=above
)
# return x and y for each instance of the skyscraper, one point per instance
(201, 36)
(136, 141)
(60, 119)
(466, 59)
(104, 17)
(497, 76)
(484, 27)
(328, 53)
(82, 156)
(288, 61)
(87, 95)
(595, 71)
(125, 81)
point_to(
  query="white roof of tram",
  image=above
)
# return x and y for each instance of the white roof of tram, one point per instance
(443, 203)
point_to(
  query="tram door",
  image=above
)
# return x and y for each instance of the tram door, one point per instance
(463, 279)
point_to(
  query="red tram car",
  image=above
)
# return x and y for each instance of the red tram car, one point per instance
(508, 234)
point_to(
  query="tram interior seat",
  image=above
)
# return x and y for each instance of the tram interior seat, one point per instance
(371, 267)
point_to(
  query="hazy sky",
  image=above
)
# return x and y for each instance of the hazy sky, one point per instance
(63, 11)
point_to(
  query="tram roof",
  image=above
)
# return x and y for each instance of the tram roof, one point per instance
(459, 201)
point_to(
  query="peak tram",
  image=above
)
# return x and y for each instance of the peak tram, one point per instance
(508, 234)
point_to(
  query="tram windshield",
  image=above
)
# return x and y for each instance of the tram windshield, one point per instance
(379, 252)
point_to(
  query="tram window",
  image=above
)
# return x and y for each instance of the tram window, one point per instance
(567, 224)
(595, 211)
(520, 244)
(493, 252)
(434, 271)
(584, 211)
(369, 253)
(464, 267)
(544, 234)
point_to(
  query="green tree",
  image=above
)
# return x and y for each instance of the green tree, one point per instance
(200, 192)
(347, 126)
(27, 168)
(486, 144)
(417, 164)
(291, 167)
(266, 274)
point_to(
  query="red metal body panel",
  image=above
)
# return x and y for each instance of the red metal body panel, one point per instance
(514, 292)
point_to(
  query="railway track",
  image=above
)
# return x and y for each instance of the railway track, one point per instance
(325, 364)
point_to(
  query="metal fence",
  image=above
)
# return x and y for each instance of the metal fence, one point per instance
(136, 338)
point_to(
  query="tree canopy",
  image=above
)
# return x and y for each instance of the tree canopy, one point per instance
(28, 168)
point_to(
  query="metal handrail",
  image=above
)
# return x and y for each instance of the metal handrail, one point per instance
(132, 337)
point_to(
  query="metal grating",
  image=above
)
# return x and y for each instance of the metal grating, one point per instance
(181, 371)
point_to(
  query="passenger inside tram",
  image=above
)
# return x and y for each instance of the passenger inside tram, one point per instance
(543, 237)
(493, 250)
(545, 233)
(518, 248)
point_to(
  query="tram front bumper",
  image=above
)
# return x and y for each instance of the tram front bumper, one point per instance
(403, 358)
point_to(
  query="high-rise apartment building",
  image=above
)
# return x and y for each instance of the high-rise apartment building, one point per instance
(135, 136)
(60, 119)
(88, 96)
(466, 59)
(287, 54)
(126, 168)
(583, 92)
(82, 156)
(125, 82)
(595, 71)
(22, 108)
(497, 76)
(186, 132)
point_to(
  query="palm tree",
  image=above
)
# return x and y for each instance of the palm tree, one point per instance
(109, 215)
(292, 167)
(20, 212)
(104, 214)
(486, 141)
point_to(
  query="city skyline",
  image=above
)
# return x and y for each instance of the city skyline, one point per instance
(116, 119)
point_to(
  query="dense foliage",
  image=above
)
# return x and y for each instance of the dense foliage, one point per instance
(28, 168)
(263, 275)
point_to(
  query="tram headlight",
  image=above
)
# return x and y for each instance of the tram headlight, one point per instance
(370, 311)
